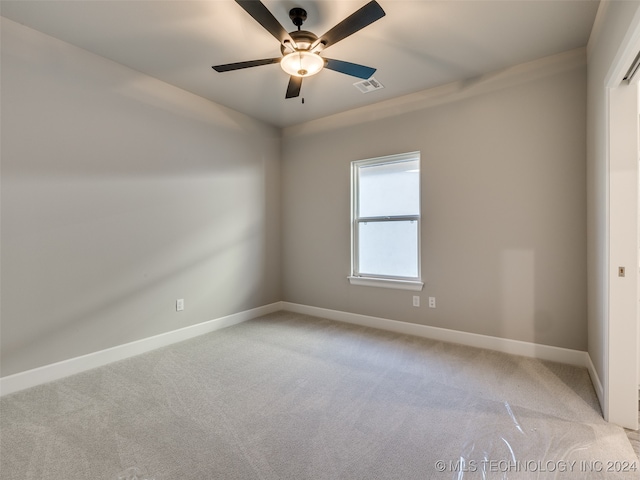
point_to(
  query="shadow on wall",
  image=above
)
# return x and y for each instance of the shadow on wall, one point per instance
(523, 292)
(518, 291)
(120, 194)
(99, 282)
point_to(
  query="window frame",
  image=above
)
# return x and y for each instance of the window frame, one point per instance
(378, 280)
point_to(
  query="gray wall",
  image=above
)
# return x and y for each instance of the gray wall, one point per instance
(503, 204)
(121, 194)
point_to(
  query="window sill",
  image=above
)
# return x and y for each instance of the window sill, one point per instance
(386, 283)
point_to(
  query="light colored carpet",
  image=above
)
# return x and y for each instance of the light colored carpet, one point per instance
(634, 436)
(288, 396)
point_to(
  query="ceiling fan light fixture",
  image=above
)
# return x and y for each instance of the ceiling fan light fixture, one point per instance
(300, 49)
(302, 63)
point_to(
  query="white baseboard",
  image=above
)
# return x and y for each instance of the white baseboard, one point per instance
(55, 371)
(65, 368)
(595, 379)
(515, 347)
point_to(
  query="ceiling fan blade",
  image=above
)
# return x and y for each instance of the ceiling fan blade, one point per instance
(238, 65)
(293, 90)
(368, 14)
(349, 68)
(264, 17)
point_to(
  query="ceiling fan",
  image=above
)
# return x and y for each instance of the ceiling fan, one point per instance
(301, 49)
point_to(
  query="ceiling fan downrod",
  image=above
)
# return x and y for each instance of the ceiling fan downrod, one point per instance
(298, 16)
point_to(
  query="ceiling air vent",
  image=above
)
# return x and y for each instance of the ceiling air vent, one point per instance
(367, 86)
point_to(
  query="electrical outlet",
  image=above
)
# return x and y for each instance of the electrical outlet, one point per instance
(416, 301)
(432, 302)
(179, 304)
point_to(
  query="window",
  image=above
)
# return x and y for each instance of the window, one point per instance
(385, 227)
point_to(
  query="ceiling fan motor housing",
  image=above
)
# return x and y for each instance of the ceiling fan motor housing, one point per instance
(302, 39)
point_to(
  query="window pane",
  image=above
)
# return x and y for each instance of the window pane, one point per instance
(389, 189)
(388, 248)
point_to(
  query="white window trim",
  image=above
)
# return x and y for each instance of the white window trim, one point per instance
(386, 283)
(414, 284)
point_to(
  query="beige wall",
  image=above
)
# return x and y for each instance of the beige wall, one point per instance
(503, 204)
(121, 194)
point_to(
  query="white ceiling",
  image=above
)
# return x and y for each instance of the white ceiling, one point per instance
(419, 44)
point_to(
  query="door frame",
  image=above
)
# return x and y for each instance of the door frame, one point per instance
(622, 332)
